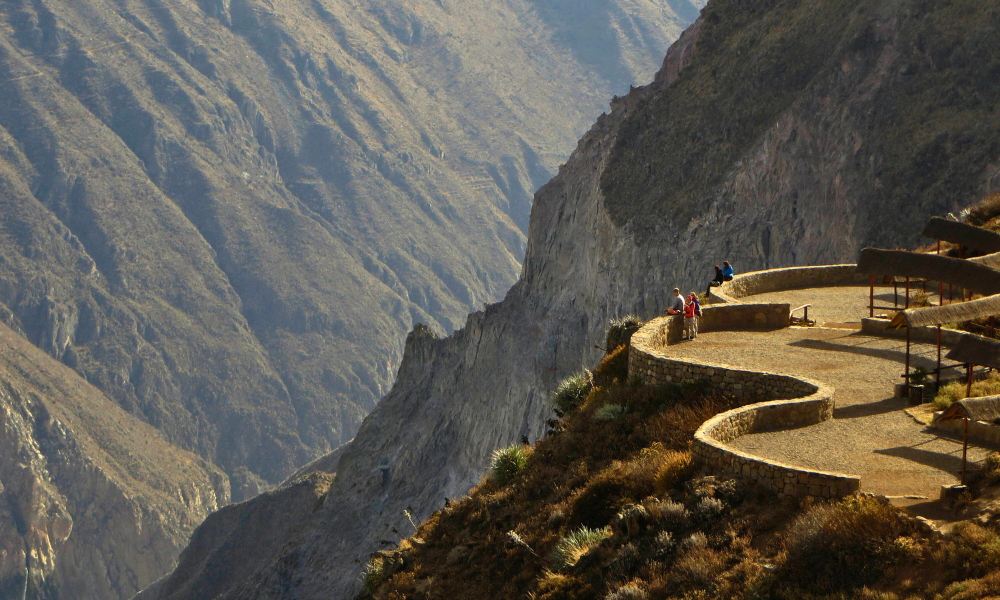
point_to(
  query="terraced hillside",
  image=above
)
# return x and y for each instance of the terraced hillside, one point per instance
(227, 214)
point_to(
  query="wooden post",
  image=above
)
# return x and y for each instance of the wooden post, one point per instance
(895, 293)
(939, 248)
(968, 380)
(940, 293)
(871, 299)
(937, 379)
(965, 447)
(907, 305)
(805, 316)
(906, 378)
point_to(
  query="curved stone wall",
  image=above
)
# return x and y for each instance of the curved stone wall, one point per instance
(724, 317)
(791, 278)
(796, 403)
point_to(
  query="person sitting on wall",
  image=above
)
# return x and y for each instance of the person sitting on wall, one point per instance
(677, 308)
(719, 278)
(727, 271)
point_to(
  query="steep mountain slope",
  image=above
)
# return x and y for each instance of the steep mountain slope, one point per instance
(226, 214)
(790, 192)
(94, 503)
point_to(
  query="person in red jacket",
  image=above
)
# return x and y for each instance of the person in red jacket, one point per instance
(692, 310)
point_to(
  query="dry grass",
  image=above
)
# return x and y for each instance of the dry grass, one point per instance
(849, 544)
(984, 213)
(955, 391)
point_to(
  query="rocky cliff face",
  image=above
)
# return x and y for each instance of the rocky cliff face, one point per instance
(227, 214)
(770, 137)
(94, 503)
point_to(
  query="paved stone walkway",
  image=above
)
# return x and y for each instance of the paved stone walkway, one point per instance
(870, 434)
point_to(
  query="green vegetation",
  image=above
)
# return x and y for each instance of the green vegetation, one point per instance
(572, 391)
(575, 544)
(955, 391)
(621, 330)
(508, 462)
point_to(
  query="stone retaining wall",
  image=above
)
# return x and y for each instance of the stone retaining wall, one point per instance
(879, 327)
(791, 278)
(725, 317)
(796, 403)
(986, 434)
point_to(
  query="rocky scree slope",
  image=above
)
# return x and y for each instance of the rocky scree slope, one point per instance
(94, 503)
(816, 160)
(227, 214)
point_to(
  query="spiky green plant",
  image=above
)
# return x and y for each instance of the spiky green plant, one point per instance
(621, 330)
(508, 462)
(575, 544)
(573, 391)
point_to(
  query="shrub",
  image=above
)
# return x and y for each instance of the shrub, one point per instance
(621, 330)
(955, 391)
(676, 467)
(698, 565)
(948, 395)
(574, 545)
(372, 575)
(984, 212)
(573, 391)
(670, 515)
(697, 539)
(849, 544)
(609, 412)
(920, 299)
(508, 462)
(989, 471)
(708, 509)
(627, 592)
(664, 543)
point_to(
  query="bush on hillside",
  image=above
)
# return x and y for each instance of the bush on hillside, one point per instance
(984, 212)
(372, 576)
(855, 542)
(676, 467)
(627, 592)
(573, 391)
(574, 545)
(508, 462)
(609, 412)
(621, 330)
(955, 391)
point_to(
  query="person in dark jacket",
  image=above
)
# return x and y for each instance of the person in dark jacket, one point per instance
(719, 278)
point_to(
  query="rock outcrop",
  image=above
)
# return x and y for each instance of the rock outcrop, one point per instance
(94, 504)
(769, 138)
(226, 215)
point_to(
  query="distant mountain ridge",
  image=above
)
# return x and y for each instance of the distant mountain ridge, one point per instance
(226, 214)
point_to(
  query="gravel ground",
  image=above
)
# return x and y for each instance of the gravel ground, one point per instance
(870, 434)
(841, 304)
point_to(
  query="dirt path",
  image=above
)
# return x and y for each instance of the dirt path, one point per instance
(870, 434)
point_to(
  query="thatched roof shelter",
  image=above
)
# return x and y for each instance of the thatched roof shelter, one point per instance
(977, 350)
(968, 275)
(990, 260)
(949, 313)
(986, 409)
(964, 234)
